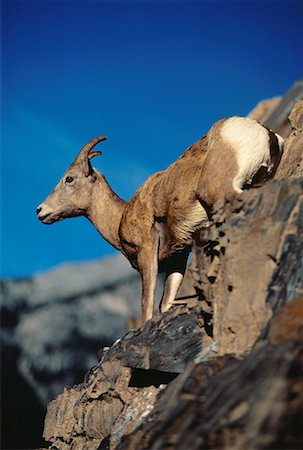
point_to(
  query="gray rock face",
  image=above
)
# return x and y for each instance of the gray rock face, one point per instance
(250, 260)
(167, 344)
(226, 403)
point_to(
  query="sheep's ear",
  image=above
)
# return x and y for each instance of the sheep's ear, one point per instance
(94, 153)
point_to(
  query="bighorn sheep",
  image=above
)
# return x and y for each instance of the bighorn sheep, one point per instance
(159, 222)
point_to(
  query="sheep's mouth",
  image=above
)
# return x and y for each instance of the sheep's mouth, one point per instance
(50, 218)
(46, 219)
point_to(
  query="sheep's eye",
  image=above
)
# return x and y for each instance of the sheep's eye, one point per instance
(69, 179)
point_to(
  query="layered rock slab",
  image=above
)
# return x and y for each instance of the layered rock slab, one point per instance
(249, 263)
(228, 403)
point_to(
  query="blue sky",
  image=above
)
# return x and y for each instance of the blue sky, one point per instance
(150, 75)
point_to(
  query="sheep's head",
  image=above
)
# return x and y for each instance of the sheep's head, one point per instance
(71, 197)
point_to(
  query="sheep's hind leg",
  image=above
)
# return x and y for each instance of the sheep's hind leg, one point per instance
(173, 280)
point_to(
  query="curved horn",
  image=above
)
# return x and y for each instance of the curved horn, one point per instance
(83, 156)
(87, 147)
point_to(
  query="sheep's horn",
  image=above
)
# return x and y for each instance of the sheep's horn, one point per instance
(84, 154)
(87, 147)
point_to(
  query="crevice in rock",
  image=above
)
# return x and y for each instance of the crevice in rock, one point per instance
(212, 279)
(211, 249)
(206, 312)
(144, 378)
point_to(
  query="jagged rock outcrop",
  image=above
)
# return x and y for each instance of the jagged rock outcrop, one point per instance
(274, 112)
(292, 162)
(250, 263)
(250, 403)
(225, 371)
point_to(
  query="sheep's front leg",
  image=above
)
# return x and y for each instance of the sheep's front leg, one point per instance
(173, 280)
(148, 268)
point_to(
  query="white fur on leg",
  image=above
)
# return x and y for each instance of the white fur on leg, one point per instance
(171, 286)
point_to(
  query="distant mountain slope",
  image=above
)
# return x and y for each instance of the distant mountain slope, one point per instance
(56, 321)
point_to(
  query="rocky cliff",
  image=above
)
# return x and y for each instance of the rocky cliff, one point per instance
(223, 369)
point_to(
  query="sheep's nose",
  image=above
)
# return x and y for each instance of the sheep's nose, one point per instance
(39, 209)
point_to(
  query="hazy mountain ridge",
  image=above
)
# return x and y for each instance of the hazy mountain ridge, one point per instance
(73, 305)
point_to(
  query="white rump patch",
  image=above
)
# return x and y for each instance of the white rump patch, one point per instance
(250, 142)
